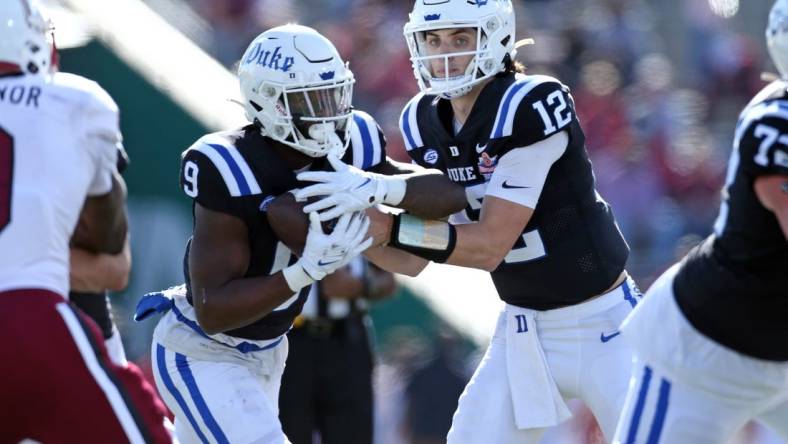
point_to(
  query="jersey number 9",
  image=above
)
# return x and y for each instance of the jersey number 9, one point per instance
(190, 171)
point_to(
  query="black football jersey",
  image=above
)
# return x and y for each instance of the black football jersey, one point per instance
(733, 287)
(238, 173)
(571, 249)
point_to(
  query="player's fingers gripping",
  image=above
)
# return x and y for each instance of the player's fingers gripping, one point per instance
(322, 204)
(337, 164)
(358, 241)
(335, 212)
(318, 189)
(317, 176)
(341, 227)
(314, 223)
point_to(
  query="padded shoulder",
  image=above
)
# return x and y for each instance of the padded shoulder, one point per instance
(532, 109)
(368, 143)
(409, 122)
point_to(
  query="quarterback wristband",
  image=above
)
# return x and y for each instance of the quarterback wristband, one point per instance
(431, 239)
(296, 277)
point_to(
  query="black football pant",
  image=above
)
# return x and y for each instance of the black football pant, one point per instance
(327, 383)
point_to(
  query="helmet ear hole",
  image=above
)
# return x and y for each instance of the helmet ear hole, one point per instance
(505, 41)
(256, 107)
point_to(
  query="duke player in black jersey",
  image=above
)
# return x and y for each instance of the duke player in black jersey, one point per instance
(711, 338)
(219, 351)
(533, 219)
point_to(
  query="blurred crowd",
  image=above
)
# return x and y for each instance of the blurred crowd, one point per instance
(657, 85)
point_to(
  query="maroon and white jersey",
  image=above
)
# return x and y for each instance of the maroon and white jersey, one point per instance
(59, 138)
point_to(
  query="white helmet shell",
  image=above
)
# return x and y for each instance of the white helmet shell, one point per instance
(494, 22)
(777, 36)
(296, 87)
(24, 39)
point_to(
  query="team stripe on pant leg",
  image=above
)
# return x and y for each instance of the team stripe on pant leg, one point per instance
(182, 364)
(104, 377)
(161, 363)
(659, 415)
(639, 405)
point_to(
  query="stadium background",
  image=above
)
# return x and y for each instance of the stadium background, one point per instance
(658, 86)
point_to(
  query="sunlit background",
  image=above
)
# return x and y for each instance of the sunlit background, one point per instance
(658, 86)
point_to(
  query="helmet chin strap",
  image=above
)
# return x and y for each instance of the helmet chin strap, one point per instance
(323, 139)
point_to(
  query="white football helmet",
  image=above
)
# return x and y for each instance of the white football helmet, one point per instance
(297, 88)
(25, 37)
(777, 36)
(494, 24)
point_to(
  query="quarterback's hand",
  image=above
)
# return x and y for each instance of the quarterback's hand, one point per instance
(348, 189)
(325, 253)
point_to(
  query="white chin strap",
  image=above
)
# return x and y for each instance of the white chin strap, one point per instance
(323, 139)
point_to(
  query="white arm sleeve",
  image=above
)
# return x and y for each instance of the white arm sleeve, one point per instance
(102, 133)
(521, 173)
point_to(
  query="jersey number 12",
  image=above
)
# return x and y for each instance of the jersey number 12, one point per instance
(556, 99)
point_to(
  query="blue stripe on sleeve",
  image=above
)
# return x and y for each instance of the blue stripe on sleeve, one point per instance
(505, 109)
(183, 368)
(406, 127)
(165, 377)
(366, 139)
(239, 177)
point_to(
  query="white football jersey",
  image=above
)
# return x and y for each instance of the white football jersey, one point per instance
(58, 145)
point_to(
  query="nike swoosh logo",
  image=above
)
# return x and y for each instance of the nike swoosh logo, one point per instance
(323, 264)
(604, 338)
(506, 185)
(364, 183)
(480, 148)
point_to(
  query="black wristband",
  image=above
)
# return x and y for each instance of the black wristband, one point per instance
(430, 239)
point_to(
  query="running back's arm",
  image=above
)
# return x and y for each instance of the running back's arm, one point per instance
(103, 223)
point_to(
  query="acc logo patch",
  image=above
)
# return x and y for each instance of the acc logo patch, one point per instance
(431, 157)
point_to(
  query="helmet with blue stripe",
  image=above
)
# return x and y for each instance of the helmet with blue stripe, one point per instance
(494, 25)
(298, 90)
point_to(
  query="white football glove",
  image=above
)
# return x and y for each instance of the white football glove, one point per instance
(348, 189)
(325, 253)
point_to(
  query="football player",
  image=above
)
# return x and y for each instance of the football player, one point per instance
(711, 337)
(59, 137)
(533, 219)
(219, 352)
(91, 275)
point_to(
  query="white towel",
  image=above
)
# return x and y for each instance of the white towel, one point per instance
(535, 397)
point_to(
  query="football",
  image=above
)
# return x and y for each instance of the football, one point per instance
(288, 220)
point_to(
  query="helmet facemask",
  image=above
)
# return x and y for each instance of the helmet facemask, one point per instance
(298, 90)
(442, 78)
(314, 120)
